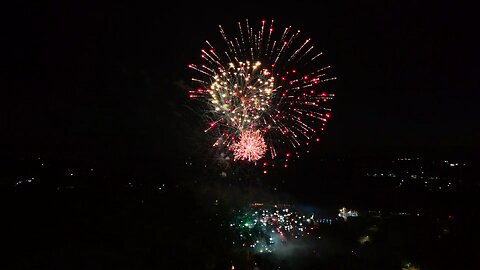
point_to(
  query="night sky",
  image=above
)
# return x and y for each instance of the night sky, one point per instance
(103, 83)
(104, 162)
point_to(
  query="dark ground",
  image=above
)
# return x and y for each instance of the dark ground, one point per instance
(139, 226)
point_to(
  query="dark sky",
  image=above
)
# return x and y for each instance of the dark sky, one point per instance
(99, 82)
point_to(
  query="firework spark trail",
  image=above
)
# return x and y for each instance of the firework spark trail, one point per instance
(259, 89)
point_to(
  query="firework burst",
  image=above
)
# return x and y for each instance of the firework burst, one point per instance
(251, 146)
(264, 92)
